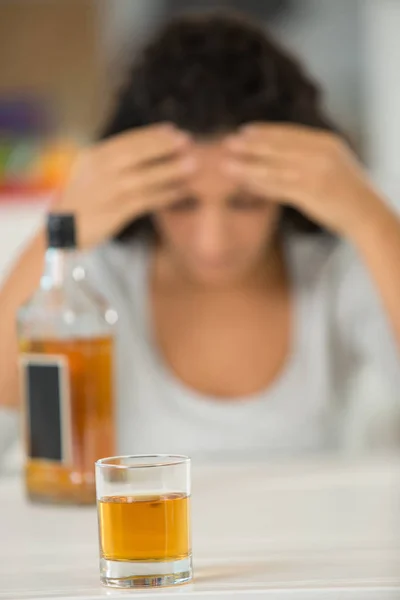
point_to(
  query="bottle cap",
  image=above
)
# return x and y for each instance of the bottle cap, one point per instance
(61, 231)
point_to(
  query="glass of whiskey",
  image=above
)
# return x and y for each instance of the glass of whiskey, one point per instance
(144, 520)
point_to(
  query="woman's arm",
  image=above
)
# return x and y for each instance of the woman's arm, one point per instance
(378, 243)
(19, 286)
(112, 183)
(315, 172)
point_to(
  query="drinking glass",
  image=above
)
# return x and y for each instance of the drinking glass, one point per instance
(144, 520)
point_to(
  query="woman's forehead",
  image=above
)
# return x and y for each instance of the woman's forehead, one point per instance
(210, 179)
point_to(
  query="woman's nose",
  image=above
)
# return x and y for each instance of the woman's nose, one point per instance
(211, 235)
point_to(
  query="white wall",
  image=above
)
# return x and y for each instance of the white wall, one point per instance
(18, 223)
(381, 26)
(326, 35)
(125, 25)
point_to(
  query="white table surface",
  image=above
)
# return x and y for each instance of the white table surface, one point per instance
(324, 529)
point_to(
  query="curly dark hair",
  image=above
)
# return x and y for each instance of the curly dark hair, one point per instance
(209, 74)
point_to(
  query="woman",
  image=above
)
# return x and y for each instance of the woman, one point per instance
(244, 325)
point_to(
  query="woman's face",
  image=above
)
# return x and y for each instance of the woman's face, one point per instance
(219, 233)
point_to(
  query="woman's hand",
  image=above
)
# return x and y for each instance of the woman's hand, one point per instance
(124, 177)
(311, 170)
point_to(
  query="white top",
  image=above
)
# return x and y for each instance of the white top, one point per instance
(340, 335)
(300, 530)
(339, 387)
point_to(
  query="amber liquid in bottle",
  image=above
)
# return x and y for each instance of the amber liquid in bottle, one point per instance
(89, 416)
(145, 528)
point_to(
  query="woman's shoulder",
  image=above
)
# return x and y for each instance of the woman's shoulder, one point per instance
(120, 254)
(114, 260)
(330, 271)
(314, 259)
(119, 272)
(324, 260)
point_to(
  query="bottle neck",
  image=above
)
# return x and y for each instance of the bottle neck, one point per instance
(58, 267)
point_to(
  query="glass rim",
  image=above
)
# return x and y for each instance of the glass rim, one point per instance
(165, 460)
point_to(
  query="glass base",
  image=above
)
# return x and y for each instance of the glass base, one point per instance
(126, 574)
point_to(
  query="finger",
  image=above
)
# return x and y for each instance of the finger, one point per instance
(250, 149)
(271, 182)
(284, 136)
(152, 200)
(159, 175)
(122, 209)
(248, 169)
(139, 146)
(268, 154)
(279, 131)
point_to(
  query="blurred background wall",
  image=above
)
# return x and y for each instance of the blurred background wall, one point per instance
(49, 50)
(61, 60)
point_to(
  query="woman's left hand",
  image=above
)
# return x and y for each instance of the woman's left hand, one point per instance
(311, 170)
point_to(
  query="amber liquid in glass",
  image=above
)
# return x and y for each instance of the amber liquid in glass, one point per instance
(91, 420)
(145, 528)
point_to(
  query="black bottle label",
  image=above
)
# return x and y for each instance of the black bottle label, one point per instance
(47, 403)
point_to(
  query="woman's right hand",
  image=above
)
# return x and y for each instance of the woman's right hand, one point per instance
(125, 177)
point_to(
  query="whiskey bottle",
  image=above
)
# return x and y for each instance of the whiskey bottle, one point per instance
(66, 339)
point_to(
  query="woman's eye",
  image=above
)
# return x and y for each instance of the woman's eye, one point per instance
(246, 203)
(184, 205)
